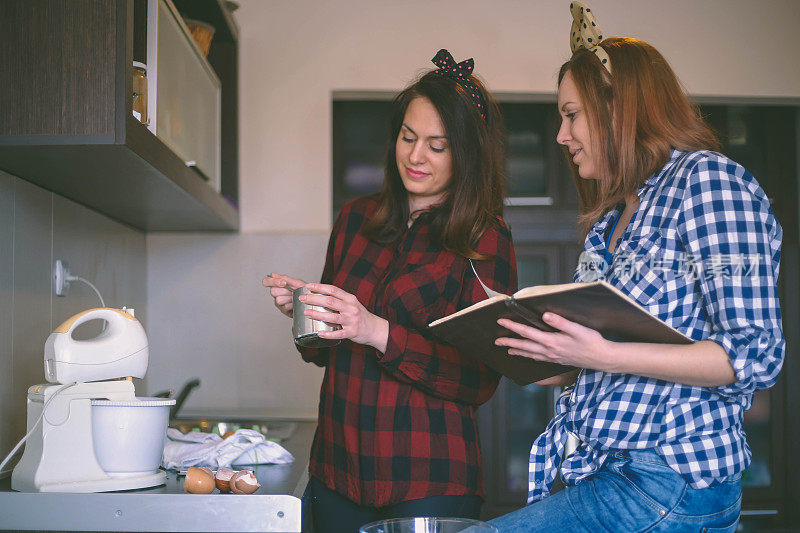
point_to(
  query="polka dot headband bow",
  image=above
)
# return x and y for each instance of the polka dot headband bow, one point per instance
(585, 33)
(460, 73)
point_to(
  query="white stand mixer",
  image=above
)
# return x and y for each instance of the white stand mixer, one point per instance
(60, 454)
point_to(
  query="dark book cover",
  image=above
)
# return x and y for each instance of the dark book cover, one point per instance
(596, 305)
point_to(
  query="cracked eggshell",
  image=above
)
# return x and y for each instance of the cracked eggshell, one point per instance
(244, 482)
(198, 481)
(223, 479)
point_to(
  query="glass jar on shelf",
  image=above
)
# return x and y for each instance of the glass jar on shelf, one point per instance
(140, 91)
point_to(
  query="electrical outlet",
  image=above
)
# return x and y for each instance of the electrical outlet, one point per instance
(61, 277)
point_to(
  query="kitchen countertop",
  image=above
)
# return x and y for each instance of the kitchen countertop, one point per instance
(275, 506)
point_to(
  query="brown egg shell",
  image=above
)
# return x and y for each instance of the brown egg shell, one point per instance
(198, 481)
(223, 479)
(244, 482)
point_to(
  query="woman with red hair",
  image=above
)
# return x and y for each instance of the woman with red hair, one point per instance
(688, 234)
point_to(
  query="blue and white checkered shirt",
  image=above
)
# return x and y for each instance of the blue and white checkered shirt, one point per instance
(701, 253)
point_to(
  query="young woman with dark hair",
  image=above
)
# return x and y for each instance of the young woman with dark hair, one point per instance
(397, 434)
(688, 234)
(475, 199)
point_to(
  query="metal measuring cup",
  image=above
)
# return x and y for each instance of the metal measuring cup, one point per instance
(305, 329)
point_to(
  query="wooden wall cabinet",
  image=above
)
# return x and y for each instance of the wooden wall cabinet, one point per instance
(67, 123)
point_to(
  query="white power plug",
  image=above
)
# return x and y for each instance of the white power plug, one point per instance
(61, 277)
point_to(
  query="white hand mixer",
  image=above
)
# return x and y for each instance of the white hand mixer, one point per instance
(95, 435)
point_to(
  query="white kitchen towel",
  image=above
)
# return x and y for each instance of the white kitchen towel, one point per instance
(245, 447)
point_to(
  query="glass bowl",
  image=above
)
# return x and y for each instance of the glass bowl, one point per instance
(428, 525)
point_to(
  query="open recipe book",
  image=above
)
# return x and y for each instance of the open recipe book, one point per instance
(596, 305)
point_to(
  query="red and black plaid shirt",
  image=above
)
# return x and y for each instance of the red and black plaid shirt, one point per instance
(400, 425)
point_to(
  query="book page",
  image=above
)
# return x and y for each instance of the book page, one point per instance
(545, 289)
(478, 305)
(580, 302)
(540, 290)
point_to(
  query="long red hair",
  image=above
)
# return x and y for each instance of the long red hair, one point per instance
(637, 114)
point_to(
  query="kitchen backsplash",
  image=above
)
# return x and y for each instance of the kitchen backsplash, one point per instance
(209, 317)
(36, 228)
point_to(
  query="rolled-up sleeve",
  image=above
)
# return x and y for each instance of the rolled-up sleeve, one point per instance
(727, 226)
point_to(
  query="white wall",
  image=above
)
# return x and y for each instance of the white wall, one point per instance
(295, 52)
(212, 320)
(207, 314)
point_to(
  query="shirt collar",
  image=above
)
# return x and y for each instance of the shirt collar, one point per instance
(652, 180)
(596, 235)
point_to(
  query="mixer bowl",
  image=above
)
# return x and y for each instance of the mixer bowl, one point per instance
(129, 435)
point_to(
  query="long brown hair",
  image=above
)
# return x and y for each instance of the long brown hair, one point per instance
(636, 114)
(474, 197)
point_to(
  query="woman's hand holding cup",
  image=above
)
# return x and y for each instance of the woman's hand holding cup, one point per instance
(280, 288)
(358, 324)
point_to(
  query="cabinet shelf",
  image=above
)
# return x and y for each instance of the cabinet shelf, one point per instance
(214, 13)
(141, 182)
(68, 125)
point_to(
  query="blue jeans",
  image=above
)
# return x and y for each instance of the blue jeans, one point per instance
(635, 490)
